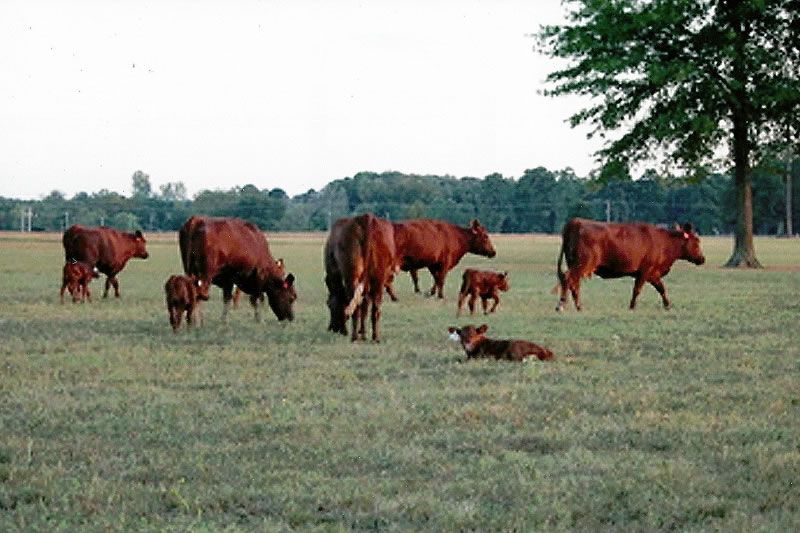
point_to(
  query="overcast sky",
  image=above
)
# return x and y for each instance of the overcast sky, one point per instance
(279, 94)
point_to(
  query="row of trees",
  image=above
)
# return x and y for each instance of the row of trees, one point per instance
(539, 201)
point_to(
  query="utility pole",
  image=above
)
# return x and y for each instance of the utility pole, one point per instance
(66, 220)
(30, 218)
(21, 220)
(608, 210)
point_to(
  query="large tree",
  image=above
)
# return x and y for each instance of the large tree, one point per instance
(678, 79)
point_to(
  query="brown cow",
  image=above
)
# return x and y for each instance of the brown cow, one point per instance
(182, 297)
(359, 261)
(228, 251)
(437, 246)
(75, 278)
(613, 250)
(481, 283)
(104, 248)
(476, 344)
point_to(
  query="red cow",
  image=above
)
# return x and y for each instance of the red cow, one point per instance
(641, 251)
(481, 283)
(75, 278)
(104, 248)
(437, 246)
(476, 344)
(359, 261)
(182, 297)
(228, 251)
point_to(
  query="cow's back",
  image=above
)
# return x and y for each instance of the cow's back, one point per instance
(94, 246)
(423, 242)
(214, 246)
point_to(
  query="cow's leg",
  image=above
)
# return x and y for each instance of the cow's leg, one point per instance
(662, 290)
(496, 298)
(108, 286)
(376, 317)
(562, 290)
(391, 293)
(227, 296)
(115, 283)
(61, 292)
(471, 303)
(87, 293)
(574, 284)
(359, 327)
(461, 297)
(189, 316)
(637, 288)
(254, 300)
(439, 274)
(175, 314)
(414, 279)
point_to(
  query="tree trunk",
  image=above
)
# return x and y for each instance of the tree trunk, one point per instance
(744, 253)
(789, 229)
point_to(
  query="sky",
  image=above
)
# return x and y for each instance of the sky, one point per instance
(292, 94)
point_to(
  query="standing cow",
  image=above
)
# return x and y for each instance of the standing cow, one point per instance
(641, 251)
(228, 251)
(183, 296)
(484, 284)
(437, 246)
(75, 278)
(359, 259)
(104, 248)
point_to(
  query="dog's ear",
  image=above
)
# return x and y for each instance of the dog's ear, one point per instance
(481, 330)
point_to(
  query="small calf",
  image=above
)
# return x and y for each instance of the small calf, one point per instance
(477, 345)
(182, 296)
(75, 278)
(483, 283)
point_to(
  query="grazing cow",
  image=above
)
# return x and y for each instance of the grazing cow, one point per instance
(481, 283)
(476, 344)
(75, 278)
(437, 246)
(359, 262)
(104, 248)
(228, 251)
(237, 293)
(611, 250)
(182, 296)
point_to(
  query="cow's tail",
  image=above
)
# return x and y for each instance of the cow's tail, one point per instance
(562, 276)
(358, 296)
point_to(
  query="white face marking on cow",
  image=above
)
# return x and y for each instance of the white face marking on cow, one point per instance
(199, 283)
(454, 337)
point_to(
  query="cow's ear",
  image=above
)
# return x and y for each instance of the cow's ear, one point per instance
(475, 225)
(481, 330)
(289, 281)
(279, 262)
(138, 234)
(688, 228)
(505, 274)
(451, 330)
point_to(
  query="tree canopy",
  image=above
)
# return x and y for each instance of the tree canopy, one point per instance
(677, 80)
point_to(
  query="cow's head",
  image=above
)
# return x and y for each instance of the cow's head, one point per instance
(281, 296)
(140, 248)
(479, 242)
(467, 335)
(201, 287)
(338, 322)
(690, 247)
(502, 281)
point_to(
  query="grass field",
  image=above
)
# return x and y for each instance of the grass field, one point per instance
(685, 419)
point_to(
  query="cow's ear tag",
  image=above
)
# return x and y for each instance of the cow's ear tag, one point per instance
(685, 235)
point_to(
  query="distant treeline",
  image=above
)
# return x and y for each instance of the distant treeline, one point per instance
(539, 201)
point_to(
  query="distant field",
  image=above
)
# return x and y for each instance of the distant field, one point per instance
(680, 419)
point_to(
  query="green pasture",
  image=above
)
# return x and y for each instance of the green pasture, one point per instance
(685, 419)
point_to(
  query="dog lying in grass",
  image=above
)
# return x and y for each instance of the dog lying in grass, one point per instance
(476, 344)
